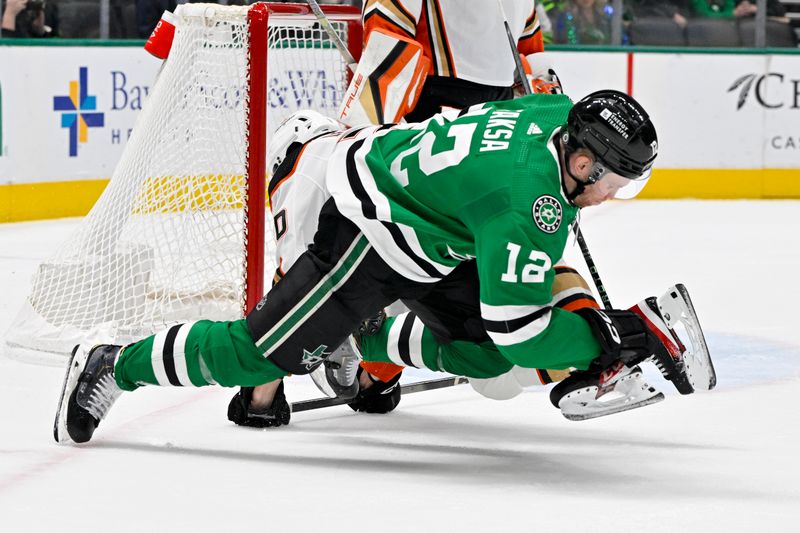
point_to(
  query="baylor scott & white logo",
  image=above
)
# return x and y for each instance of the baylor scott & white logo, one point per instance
(547, 213)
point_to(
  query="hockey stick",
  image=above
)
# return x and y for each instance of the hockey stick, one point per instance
(433, 384)
(523, 78)
(337, 41)
(598, 283)
(587, 257)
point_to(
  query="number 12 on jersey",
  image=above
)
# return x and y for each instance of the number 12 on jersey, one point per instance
(532, 272)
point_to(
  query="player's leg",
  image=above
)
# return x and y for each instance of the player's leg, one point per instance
(317, 304)
(451, 337)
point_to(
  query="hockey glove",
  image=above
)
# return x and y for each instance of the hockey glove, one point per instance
(277, 414)
(622, 335)
(381, 397)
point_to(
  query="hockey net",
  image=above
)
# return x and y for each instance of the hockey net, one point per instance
(182, 231)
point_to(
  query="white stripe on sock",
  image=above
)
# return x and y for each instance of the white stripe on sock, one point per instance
(157, 358)
(393, 338)
(415, 343)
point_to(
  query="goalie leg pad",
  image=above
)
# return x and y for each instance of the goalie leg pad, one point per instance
(387, 81)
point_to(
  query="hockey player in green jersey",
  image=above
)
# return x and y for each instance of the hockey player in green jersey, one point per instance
(421, 212)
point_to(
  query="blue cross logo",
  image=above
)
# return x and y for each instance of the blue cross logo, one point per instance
(75, 111)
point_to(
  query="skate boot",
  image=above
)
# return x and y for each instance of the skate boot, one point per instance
(89, 392)
(594, 393)
(336, 377)
(277, 414)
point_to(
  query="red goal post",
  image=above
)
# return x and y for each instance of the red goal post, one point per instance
(258, 16)
(182, 232)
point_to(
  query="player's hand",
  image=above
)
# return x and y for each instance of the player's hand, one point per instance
(547, 84)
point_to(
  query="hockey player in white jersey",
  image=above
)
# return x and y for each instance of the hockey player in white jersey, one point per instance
(467, 47)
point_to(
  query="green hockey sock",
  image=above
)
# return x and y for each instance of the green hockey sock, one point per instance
(196, 354)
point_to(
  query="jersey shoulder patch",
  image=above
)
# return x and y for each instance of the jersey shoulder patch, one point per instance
(547, 213)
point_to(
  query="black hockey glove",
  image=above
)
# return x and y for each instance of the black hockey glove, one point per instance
(381, 397)
(277, 414)
(622, 336)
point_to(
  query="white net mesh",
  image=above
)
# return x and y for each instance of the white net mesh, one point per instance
(165, 242)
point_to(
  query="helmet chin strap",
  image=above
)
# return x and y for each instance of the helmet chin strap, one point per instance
(580, 186)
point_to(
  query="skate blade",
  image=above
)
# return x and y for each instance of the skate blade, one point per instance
(618, 409)
(679, 314)
(77, 361)
(631, 392)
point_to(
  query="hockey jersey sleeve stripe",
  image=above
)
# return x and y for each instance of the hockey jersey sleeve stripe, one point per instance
(442, 60)
(403, 245)
(504, 313)
(531, 40)
(370, 212)
(518, 331)
(531, 25)
(509, 326)
(391, 11)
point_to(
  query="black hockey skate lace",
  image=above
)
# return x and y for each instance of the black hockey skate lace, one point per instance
(103, 396)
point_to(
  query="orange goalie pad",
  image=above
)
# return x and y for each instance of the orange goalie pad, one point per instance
(387, 82)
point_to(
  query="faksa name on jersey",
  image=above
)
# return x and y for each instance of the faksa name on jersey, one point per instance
(499, 130)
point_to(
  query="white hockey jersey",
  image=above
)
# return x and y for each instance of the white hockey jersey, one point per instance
(464, 39)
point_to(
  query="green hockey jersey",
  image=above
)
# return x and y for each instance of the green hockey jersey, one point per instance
(482, 184)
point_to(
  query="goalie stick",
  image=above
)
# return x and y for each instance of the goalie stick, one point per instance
(433, 384)
(337, 41)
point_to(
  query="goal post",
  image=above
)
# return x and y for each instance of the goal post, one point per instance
(183, 232)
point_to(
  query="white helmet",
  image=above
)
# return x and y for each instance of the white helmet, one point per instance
(299, 127)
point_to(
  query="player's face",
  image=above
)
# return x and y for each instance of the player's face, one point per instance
(603, 189)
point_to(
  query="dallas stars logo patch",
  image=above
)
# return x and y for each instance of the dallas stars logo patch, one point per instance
(547, 213)
(312, 360)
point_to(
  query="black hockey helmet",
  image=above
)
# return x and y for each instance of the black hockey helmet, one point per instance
(618, 131)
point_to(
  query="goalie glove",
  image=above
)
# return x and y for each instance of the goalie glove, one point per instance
(381, 397)
(541, 76)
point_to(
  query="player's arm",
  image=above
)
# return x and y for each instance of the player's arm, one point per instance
(531, 40)
(516, 276)
(394, 16)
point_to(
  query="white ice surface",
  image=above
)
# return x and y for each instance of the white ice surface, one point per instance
(729, 460)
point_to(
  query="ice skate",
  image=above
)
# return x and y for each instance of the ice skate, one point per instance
(88, 393)
(688, 364)
(336, 377)
(591, 394)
